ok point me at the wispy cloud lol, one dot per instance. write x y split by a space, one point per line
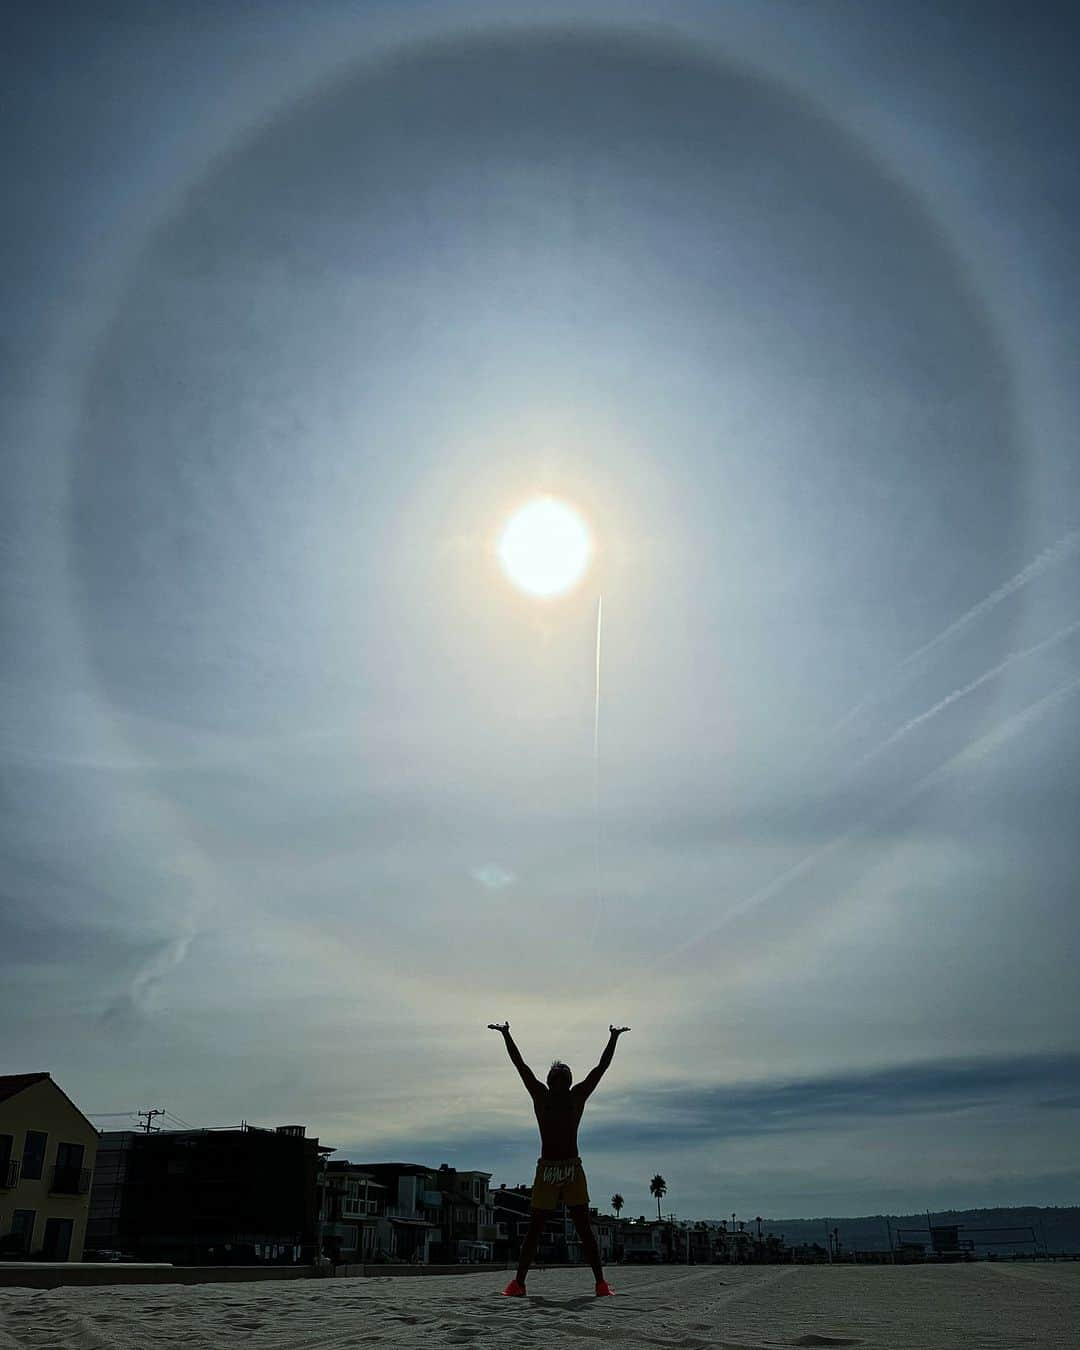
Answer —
966 689
970 754
1062 551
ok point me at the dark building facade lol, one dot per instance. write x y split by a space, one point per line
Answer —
214 1197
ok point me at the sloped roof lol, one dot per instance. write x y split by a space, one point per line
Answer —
12 1083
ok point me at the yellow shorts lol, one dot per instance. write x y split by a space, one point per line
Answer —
559 1180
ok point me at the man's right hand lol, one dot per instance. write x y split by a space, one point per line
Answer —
504 1027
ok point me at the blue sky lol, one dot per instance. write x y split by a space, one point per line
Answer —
298 791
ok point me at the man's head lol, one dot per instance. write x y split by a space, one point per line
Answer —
559 1076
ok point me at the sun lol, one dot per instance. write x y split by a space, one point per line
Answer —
545 547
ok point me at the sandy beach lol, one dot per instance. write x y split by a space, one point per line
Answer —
983 1306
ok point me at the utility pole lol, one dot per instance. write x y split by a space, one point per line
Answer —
157 1111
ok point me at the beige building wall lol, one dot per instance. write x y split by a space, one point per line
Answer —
44 1108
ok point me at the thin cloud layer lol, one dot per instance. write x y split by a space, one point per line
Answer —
292 777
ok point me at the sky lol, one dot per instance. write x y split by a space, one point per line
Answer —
299 793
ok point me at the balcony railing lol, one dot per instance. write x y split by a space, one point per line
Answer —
9 1174
358 1209
69 1180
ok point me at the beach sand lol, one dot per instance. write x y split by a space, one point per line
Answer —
986 1306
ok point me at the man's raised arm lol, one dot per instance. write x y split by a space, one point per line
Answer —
594 1075
530 1079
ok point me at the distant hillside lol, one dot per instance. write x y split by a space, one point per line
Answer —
1058 1227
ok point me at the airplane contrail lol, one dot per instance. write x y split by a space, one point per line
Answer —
596 712
1057 553
966 689
975 751
598 895
596 780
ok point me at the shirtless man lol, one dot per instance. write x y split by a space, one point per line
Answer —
559 1173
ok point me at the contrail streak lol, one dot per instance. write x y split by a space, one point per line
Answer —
596 780
967 689
596 712
975 751
598 897
1049 557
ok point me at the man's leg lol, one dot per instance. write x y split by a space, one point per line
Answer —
580 1216
537 1219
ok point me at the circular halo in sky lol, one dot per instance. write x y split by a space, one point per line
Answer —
545 547
544 220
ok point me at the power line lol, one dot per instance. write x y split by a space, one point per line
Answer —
115 1115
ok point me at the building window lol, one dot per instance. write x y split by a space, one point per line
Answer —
33 1159
22 1227
9 1170
57 1242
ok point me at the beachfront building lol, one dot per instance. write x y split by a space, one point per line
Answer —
559 1241
700 1238
47 1155
512 1205
735 1244
468 1231
350 1203
644 1241
511 1210
603 1226
240 1195
407 1226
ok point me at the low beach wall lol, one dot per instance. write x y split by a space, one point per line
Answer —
53 1274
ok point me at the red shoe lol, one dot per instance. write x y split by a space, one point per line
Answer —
514 1290
604 1290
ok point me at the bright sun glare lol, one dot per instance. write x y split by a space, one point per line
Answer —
545 547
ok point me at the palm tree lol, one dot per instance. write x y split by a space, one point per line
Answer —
617 1203
658 1187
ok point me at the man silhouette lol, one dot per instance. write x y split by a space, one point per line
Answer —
559 1173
